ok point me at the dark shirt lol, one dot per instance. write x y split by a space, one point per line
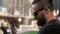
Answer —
4 30
53 27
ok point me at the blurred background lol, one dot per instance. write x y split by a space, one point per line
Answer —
17 16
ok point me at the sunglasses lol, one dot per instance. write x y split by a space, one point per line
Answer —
36 12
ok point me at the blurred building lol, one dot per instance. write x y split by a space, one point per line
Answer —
18 8
21 7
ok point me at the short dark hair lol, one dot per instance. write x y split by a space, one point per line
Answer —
48 3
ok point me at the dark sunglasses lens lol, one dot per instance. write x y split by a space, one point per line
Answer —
36 12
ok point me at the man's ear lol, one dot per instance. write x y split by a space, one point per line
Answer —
47 10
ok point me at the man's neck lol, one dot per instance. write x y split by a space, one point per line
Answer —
49 19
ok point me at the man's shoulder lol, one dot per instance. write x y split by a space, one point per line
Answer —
54 22
51 28
52 25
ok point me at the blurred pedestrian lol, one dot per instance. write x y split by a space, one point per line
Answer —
3 29
43 12
13 29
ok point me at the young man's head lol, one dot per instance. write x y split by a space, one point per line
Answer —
43 11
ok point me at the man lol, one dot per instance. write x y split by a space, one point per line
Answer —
43 12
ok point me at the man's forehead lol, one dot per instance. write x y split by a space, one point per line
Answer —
37 6
34 6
